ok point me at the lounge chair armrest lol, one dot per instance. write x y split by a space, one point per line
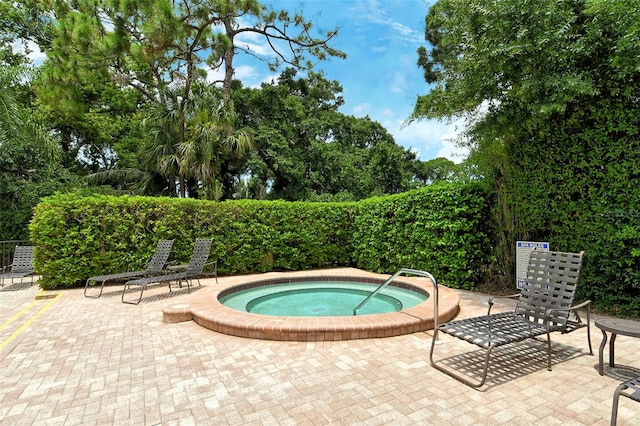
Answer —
174 265
571 308
581 305
490 301
213 263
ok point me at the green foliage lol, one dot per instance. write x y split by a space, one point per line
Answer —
579 191
79 237
97 134
551 88
194 141
306 148
524 52
21 22
280 235
162 51
438 170
435 229
28 160
441 229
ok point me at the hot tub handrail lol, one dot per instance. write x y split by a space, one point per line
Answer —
393 277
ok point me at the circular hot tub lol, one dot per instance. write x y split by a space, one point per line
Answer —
207 310
322 298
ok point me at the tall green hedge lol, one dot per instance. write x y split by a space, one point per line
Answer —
439 229
442 229
79 237
578 189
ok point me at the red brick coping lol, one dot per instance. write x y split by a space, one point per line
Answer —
205 309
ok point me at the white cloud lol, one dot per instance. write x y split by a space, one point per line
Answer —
407 33
388 114
429 138
373 11
244 72
398 83
253 42
215 74
362 109
451 150
269 79
248 75
35 55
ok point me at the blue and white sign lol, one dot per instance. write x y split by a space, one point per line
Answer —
531 245
523 251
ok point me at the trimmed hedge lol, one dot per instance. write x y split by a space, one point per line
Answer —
578 189
438 229
442 229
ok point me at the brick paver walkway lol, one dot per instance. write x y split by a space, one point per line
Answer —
79 361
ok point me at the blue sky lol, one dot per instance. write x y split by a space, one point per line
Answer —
380 78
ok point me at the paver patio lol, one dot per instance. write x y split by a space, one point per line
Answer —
71 360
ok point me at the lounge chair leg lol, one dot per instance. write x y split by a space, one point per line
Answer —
614 407
457 376
589 329
141 291
124 290
128 301
548 351
99 294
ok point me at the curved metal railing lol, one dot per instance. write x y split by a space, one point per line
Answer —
393 277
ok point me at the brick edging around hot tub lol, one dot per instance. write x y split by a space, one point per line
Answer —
205 309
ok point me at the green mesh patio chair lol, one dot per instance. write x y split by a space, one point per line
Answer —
194 270
155 266
544 305
21 266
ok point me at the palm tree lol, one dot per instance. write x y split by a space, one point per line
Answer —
189 141
17 124
28 159
211 137
159 154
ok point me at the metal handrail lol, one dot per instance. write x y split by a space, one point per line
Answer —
393 277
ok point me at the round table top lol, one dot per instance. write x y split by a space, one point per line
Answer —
625 327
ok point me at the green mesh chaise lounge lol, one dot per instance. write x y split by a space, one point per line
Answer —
194 270
21 266
545 304
155 266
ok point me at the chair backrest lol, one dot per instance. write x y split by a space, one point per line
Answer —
160 257
199 257
22 259
551 282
